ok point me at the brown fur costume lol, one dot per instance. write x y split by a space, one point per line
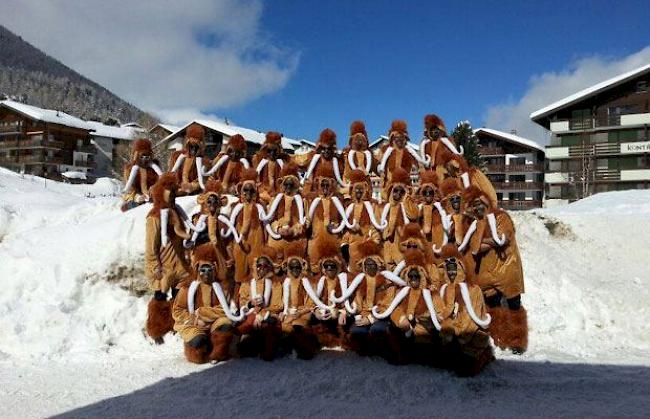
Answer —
185 165
287 213
363 207
228 165
268 162
394 157
137 187
398 214
247 219
432 213
313 161
197 311
357 152
456 167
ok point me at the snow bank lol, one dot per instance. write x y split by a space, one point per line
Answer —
72 275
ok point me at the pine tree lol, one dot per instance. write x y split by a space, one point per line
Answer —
464 136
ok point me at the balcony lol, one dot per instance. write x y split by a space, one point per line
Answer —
491 151
520 205
27 144
31 159
518 186
11 127
514 168
584 124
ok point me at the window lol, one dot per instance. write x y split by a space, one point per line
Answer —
642 86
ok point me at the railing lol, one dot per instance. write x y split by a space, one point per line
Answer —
595 149
590 123
31 160
33 143
491 151
607 174
509 168
11 128
523 186
520 204
86 148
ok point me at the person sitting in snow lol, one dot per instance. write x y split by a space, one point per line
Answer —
462 315
268 162
140 175
262 294
229 165
369 289
202 311
164 254
493 257
188 164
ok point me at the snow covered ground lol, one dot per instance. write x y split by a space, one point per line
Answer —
72 311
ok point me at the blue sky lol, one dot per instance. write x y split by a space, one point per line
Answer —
378 60
300 66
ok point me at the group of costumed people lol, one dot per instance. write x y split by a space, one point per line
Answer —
292 253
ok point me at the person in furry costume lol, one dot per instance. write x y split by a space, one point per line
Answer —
432 216
411 311
357 155
397 154
325 155
326 316
493 256
326 215
188 164
210 226
229 165
413 238
396 213
268 162
202 313
286 214
455 167
463 316
164 254
436 143
140 175
247 218
369 289
362 214
263 295
451 193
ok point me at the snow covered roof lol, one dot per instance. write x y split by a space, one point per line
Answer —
45 115
590 91
119 133
512 138
230 130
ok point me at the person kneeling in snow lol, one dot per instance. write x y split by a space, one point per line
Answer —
140 175
164 254
262 294
202 311
463 316
493 257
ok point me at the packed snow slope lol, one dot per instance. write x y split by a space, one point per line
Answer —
73 304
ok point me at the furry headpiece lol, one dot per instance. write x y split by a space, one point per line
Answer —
369 249
432 121
358 176
271 253
289 169
205 253
358 128
212 187
397 127
450 251
414 258
324 171
296 250
428 178
472 193
237 142
140 147
273 137
195 134
327 248
449 187
166 182
248 175
327 138
400 176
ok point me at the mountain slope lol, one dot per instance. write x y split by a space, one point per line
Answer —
33 77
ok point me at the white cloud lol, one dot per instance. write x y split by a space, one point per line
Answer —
546 88
154 54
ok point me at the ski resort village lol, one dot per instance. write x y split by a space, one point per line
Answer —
304 210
